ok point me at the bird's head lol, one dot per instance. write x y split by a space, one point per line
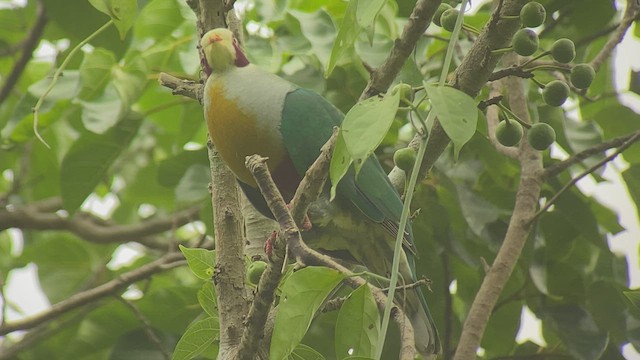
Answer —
222 51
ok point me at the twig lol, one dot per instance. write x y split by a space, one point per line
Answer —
42 216
588 171
28 46
419 20
493 118
307 192
112 287
188 88
146 326
511 71
629 16
557 168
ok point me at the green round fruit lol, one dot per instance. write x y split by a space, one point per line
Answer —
255 270
448 19
582 75
405 90
532 14
563 51
404 159
509 133
441 9
555 93
541 136
525 42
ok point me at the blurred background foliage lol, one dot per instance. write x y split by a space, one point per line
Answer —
125 150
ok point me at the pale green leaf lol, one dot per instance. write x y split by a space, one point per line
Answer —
366 14
200 261
122 12
207 299
340 162
456 111
358 325
347 35
196 339
302 295
366 125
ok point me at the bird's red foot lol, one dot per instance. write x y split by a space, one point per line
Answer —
268 244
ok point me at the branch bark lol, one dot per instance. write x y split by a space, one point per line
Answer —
42 215
110 288
516 237
28 46
630 13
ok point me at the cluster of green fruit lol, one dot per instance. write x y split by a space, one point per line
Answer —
525 43
540 135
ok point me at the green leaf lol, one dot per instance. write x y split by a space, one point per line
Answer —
122 12
366 124
172 169
89 158
634 298
302 295
95 72
457 113
201 261
193 186
130 81
578 331
358 325
304 352
196 339
318 28
347 35
366 12
158 19
340 162
207 299
631 178
103 112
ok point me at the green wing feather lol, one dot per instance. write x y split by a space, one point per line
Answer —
307 123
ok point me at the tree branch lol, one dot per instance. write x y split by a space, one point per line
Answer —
382 77
556 169
42 215
28 46
184 87
628 18
112 287
517 233
635 137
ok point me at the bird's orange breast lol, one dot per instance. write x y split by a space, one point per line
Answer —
236 135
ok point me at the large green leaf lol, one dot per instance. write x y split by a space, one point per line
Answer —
89 158
578 331
196 339
318 28
358 324
347 35
302 295
456 111
201 261
366 124
122 12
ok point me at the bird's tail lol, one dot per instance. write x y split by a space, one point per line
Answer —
427 340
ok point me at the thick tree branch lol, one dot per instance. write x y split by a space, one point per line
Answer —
43 216
113 287
419 20
516 236
28 46
628 18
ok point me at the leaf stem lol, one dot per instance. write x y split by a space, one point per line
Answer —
57 74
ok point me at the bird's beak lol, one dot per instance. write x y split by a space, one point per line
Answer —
215 38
